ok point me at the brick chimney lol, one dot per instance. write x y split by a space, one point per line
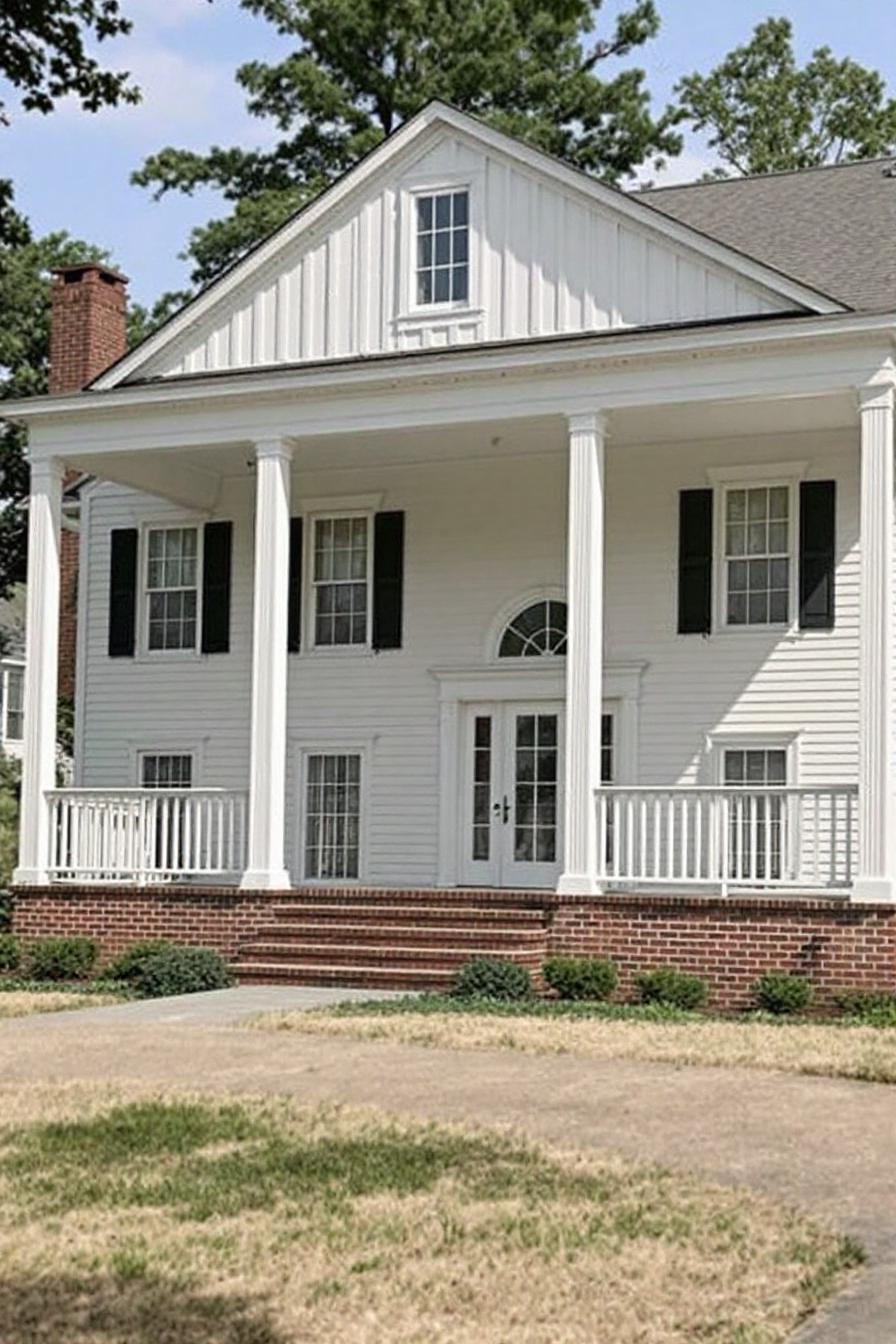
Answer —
87 333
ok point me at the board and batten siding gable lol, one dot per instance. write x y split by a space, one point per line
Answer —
546 259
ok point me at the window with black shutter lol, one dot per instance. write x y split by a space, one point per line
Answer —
694 562
818 509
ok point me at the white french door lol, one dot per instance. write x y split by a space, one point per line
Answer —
512 794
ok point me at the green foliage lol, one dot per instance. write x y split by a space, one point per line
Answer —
357 69
128 966
550 1009
44 53
10 781
492 978
872 1007
61 958
581 977
669 986
781 993
764 113
180 970
10 952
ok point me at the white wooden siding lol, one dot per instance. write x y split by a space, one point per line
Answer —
549 260
478 534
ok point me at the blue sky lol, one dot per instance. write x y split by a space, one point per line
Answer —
71 169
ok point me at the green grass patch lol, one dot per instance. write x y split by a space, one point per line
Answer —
10 984
441 1004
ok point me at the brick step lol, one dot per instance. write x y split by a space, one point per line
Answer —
343 977
408 935
408 913
447 959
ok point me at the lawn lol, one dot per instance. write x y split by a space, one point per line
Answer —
608 1032
181 1220
26 1002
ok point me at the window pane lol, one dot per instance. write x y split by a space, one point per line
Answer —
460 207
424 212
424 287
443 212
332 816
443 248
459 284
441 289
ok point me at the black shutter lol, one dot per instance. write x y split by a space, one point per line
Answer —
388 579
217 544
122 592
294 628
817 532
694 562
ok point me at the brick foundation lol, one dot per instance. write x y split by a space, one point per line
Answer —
728 942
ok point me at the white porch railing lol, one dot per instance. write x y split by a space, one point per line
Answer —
770 838
146 835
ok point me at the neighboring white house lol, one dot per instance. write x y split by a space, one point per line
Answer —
487 526
12 689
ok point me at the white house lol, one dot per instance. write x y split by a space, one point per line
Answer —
488 527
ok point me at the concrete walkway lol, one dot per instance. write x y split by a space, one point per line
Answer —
220 1007
827 1145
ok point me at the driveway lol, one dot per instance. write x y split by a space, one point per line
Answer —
828 1145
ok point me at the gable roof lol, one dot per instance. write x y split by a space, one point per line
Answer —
832 227
412 136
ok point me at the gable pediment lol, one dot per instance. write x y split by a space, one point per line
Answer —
551 252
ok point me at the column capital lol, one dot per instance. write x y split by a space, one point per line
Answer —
587 422
46 471
274 446
876 396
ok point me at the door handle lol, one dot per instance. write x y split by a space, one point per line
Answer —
502 809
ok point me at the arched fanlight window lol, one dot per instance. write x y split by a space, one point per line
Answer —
536 630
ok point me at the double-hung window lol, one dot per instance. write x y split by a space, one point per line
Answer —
758 559
341 573
172 588
333 815
12 722
443 247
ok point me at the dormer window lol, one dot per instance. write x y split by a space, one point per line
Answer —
443 247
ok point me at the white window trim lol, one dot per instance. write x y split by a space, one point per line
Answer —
309 623
144 652
768 475
8 666
787 741
169 745
410 312
330 746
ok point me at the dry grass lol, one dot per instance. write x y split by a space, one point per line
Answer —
867 1053
23 1002
129 1219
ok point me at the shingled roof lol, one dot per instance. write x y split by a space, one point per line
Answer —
833 228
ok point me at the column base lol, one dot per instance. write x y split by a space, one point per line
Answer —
579 884
874 891
30 877
264 879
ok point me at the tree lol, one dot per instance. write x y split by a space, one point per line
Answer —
764 113
44 57
25 266
360 68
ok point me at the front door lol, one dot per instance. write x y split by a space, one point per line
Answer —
513 795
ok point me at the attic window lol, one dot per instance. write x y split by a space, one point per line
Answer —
443 247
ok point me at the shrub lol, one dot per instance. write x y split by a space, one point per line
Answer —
581 977
61 958
875 1007
492 978
781 993
10 952
5 910
674 988
127 966
180 970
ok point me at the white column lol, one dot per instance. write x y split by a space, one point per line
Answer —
584 652
266 868
876 880
41 670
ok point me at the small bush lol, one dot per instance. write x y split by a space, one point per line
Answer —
180 970
874 1007
61 958
10 952
5 910
781 993
492 978
127 966
674 988
581 977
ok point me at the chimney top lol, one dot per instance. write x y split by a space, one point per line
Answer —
88 323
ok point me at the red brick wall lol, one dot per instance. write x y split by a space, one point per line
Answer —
87 333
730 941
